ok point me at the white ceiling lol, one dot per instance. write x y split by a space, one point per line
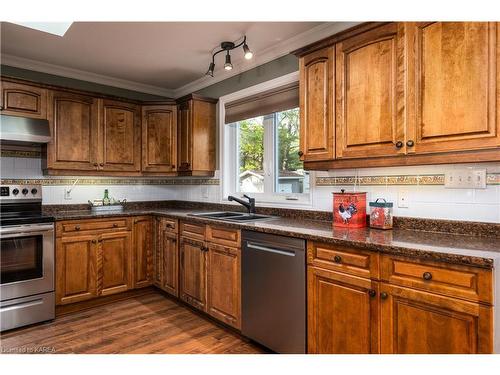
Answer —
163 55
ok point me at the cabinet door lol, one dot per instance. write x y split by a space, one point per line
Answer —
370 93
120 137
224 284
76 269
193 273
414 322
342 313
114 256
23 100
185 134
74 128
170 251
159 139
454 72
142 267
158 254
317 110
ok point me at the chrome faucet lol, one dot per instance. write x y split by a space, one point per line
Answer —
250 205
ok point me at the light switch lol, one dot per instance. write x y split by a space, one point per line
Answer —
465 178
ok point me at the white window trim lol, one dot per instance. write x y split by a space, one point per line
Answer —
227 154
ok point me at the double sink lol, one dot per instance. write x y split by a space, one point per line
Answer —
233 216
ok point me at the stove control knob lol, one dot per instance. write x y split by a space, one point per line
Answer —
24 191
34 191
15 191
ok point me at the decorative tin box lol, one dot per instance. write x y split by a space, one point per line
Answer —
349 209
381 214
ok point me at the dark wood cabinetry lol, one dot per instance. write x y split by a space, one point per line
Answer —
196 136
167 256
114 260
23 100
142 252
193 272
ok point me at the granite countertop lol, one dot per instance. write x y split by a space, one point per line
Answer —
446 247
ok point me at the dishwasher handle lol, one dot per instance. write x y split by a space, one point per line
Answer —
254 246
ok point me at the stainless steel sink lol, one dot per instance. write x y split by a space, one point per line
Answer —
232 216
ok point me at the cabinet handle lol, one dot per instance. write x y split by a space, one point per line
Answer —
337 259
383 295
372 293
399 144
77 227
300 153
410 143
427 276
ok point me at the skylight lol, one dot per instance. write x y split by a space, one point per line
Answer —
55 28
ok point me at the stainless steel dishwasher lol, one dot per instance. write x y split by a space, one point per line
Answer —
274 291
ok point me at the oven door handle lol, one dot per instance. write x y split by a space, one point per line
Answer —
23 230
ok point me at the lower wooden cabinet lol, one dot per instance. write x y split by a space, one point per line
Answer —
223 287
169 263
115 249
343 313
142 252
417 322
76 268
193 272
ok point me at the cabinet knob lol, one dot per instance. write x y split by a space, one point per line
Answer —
337 259
115 225
372 293
77 227
399 144
173 166
410 143
427 276
300 153
94 241
96 165
384 295
101 164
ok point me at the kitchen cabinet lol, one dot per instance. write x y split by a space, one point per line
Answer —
114 260
370 93
74 127
23 100
224 284
119 145
196 136
317 105
168 259
454 72
76 268
193 275
159 139
416 322
142 252
343 313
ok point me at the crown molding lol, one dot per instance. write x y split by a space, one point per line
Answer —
58 70
278 50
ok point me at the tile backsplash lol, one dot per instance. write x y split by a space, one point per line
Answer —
423 186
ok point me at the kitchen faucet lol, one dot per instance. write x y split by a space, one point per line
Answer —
250 205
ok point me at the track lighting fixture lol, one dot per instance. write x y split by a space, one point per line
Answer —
229 46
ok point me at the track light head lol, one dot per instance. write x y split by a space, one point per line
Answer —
248 53
228 65
210 71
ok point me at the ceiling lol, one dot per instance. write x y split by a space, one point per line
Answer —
166 55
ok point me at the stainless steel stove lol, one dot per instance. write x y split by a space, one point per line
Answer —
26 258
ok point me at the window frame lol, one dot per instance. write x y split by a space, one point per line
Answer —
228 155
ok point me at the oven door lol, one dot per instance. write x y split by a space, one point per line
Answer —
26 260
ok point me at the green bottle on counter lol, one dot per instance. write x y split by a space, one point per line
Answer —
105 200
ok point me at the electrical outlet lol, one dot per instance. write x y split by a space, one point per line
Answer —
403 200
465 178
67 194
204 192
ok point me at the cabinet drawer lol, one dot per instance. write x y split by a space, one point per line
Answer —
223 236
192 230
469 283
343 259
75 227
168 225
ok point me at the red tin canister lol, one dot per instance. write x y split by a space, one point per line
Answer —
349 209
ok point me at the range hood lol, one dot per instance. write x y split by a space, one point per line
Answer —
15 129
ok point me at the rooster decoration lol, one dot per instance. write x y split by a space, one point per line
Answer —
347 212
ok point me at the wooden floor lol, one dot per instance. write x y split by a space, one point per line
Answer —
150 323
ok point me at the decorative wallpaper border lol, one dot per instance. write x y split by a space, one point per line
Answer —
111 181
21 154
435 179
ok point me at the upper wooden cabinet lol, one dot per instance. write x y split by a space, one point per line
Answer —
119 136
406 94
23 100
159 139
196 136
74 127
370 93
454 72
317 131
